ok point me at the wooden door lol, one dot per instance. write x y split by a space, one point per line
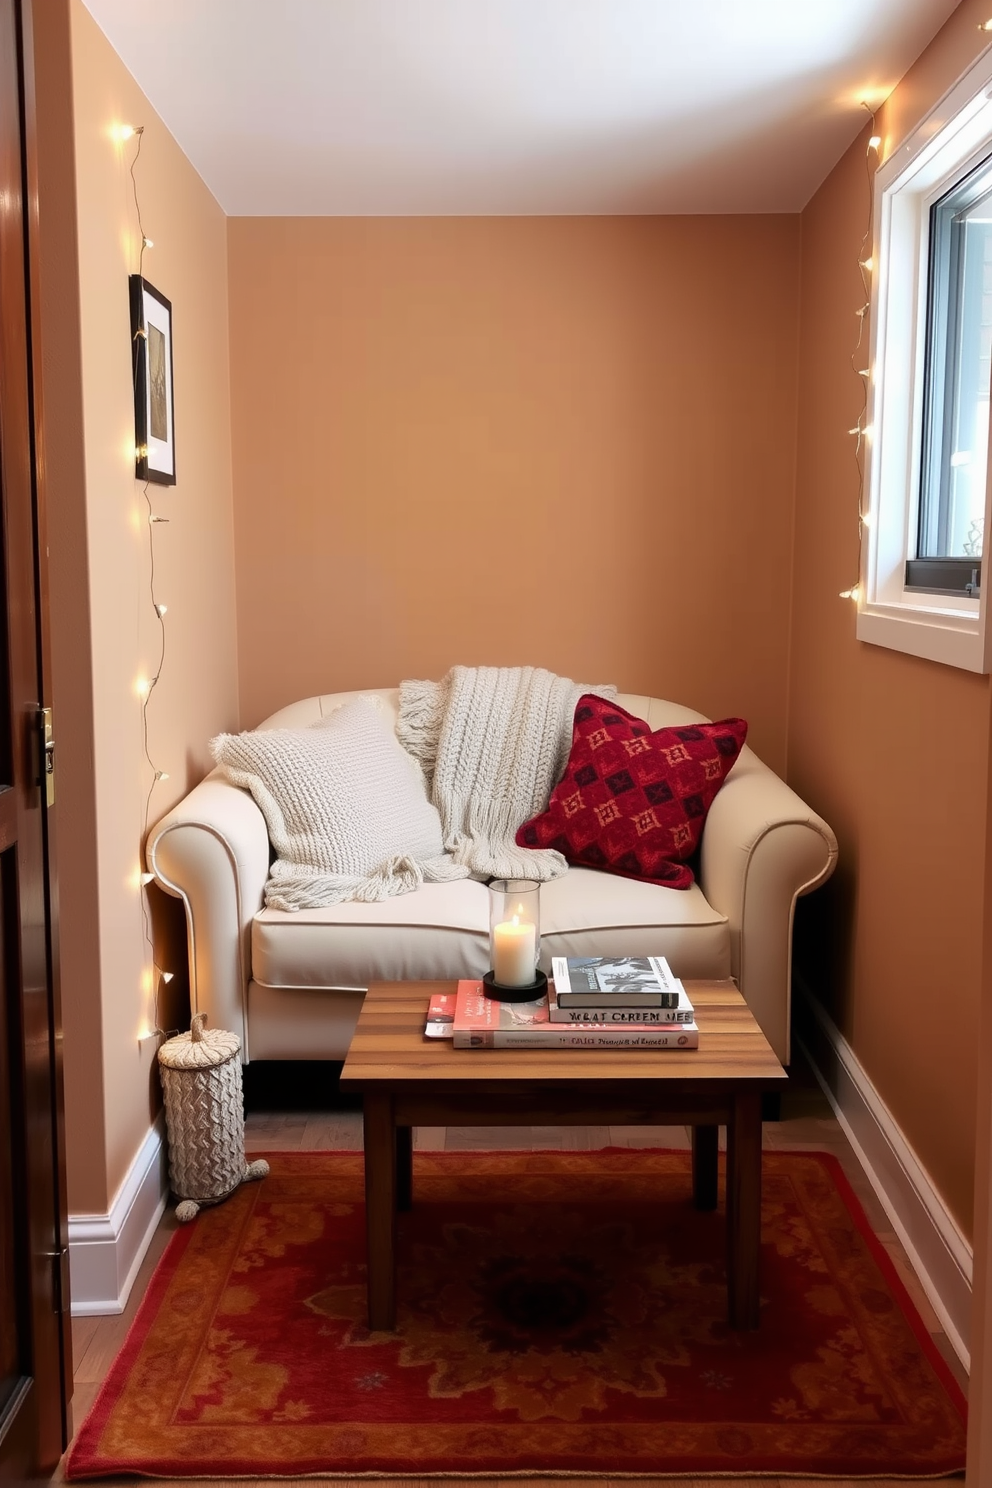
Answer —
35 1358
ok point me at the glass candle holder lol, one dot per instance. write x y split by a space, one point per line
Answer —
514 934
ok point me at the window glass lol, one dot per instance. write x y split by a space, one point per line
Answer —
959 359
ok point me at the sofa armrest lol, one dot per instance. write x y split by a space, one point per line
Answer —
212 850
762 847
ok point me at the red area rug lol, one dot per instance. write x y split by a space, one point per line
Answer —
559 1313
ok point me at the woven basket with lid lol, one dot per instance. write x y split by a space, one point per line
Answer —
204 1115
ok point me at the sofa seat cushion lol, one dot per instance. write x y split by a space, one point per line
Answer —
442 930
589 913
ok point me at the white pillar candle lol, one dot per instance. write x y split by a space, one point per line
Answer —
514 953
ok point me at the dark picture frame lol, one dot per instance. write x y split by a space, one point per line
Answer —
154 404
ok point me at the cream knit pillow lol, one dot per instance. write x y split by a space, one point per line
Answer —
346 812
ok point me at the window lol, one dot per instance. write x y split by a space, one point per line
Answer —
956 389
928 475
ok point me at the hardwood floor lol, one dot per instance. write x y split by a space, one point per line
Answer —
806 1122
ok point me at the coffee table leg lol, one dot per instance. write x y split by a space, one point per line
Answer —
404 1167
744 1208
380 1208
705 1144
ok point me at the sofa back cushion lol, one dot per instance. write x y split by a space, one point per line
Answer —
442 931
656 712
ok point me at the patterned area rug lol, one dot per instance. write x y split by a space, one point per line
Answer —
558 1313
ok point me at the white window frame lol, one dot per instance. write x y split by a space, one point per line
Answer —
949 141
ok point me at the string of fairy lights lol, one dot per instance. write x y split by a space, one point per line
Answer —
861 431
145 685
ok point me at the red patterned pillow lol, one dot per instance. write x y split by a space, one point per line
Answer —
631 801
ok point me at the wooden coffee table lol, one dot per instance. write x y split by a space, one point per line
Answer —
407 1081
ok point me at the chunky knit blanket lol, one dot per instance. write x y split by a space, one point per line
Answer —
492 742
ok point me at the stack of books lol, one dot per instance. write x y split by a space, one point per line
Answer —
593 1002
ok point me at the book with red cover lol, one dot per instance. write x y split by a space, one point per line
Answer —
483 1023
440 1015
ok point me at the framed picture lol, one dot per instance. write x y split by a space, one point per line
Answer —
151 348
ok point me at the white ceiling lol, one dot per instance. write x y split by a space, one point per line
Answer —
424 107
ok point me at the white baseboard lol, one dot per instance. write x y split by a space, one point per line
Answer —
939 1253
105 1250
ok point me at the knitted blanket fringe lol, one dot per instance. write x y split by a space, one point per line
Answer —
421 716
401 874
492 742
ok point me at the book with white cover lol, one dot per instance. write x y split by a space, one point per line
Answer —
628 981
611 1014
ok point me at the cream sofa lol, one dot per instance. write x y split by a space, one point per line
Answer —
291 985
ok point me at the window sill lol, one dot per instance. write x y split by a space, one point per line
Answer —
952 636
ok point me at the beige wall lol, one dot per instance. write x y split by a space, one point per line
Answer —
892 750
566 441
102 552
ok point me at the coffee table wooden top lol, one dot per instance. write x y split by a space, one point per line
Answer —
389 1045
